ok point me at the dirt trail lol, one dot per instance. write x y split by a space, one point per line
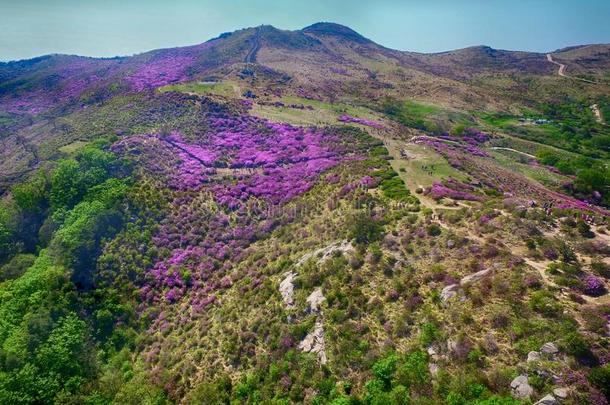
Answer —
513 150
562 67
562 70
251 56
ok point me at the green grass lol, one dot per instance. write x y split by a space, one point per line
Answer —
511 160
423 116
501 121
414 175
73 147
323 113
420 110
219 88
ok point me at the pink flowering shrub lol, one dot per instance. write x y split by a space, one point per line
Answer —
243 166
160 72
454 189
594 286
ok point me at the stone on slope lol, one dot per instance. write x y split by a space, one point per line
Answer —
521 388
472 278
547 400
549 348
533 356
449 292
560 393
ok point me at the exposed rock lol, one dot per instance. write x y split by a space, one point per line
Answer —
560 393
314 342
547 400
315 299
450 243
287 289
549 348
433 368
449 292
324 254
521 388
533 356
472 278
453 345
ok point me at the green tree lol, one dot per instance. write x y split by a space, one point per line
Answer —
32 196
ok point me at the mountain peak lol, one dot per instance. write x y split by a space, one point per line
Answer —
334 29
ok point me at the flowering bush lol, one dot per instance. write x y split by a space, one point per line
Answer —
227 182
452 189
593 286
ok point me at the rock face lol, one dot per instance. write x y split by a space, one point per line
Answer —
315 299
521 388
547 400
533 356
287 289
472 278
314 342
449 292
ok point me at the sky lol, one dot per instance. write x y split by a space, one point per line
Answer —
30 28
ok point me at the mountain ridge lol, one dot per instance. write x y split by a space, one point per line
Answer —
327 28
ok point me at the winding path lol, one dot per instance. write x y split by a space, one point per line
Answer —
251 56
562 70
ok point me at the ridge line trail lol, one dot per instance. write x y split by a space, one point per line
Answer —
562 70
513 150
251 56
562 67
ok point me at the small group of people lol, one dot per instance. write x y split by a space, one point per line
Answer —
429 169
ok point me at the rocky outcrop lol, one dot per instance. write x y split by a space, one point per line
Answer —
314 342
326 253
315 299
287 289
472 278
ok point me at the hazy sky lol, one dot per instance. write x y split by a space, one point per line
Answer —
121 27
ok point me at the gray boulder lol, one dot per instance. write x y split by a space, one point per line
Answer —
533 356
547 400
561 393
549 348
449 292
474 277
521 388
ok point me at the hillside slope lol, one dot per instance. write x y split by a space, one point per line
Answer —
305 217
